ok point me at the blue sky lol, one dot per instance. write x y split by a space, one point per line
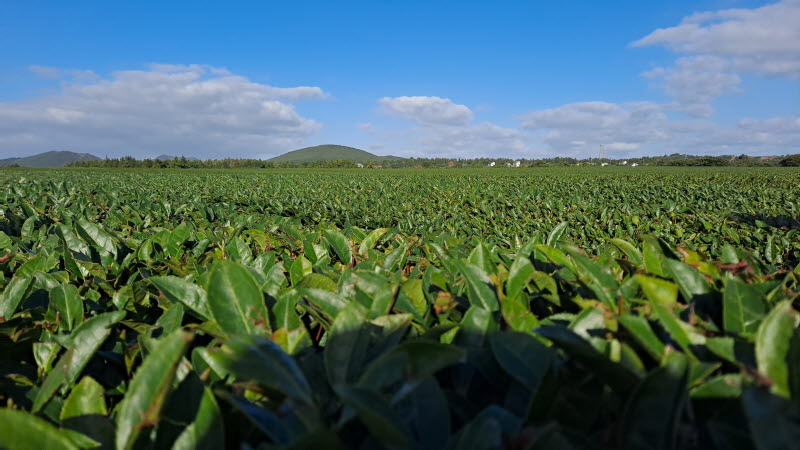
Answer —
412 78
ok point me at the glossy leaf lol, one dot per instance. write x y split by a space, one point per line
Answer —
67 301
743 307
772 346
12 296
235 300
150 385
371 239
22 430
340 245
480 289
658 291
182 291
81 345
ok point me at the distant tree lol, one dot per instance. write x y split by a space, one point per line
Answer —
791 161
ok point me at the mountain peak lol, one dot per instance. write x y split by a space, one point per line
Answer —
56 158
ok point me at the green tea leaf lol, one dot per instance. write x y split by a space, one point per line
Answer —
330 303
94 235
633 253
12 296
340 245
743 307
557 233
413 361
261 360
372 238
480 289
519 274
615 375
772 346
85 412
640 328
86 398
653 412
346 346
81 345
235 300
178 290
22 430
150 385
522 356
690 281
653 256
658 291
317 281
299 269
195 416
68 303
376 414
773 420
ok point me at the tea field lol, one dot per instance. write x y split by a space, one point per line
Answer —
574 308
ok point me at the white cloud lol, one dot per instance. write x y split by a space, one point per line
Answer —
764 40
446 131
715 51
427 110
193 110
578 128
721 44
631 129
471 141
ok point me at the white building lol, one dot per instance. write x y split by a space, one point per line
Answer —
491 164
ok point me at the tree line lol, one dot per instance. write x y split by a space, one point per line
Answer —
675 159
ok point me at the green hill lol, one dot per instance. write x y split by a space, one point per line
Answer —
329 153
49 159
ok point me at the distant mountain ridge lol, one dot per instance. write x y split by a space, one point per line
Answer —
49 159
329 153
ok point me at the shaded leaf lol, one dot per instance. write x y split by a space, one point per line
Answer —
141 406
